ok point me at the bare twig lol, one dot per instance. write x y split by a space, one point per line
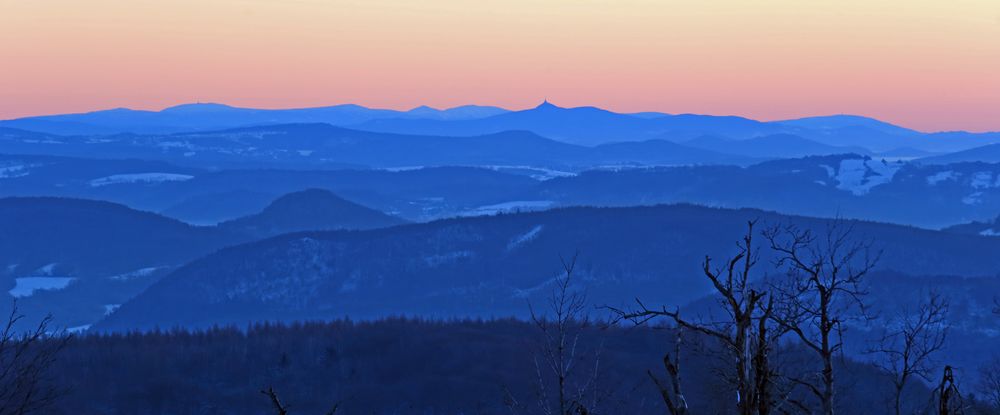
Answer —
25 359
825 287
906 350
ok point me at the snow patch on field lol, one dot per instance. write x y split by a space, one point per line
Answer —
859 176
139 273
982 180
78 329
14 170
175 144
973 199
403 168
140 178
447 258
110 308
26 286
939 177
510 207
46 270
524 238
830 172
537 173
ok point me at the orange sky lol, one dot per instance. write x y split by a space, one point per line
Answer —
930 65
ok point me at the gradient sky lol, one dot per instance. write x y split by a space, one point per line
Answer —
930 65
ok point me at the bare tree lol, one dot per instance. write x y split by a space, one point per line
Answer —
281 409
989 383
949 398
672 396
823 291
906 350
25 359
744 331
559 355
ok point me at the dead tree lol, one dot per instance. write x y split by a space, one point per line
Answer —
744 331
989 383
824 290
949 399
281 409
906 350
559 356
25 360
672 396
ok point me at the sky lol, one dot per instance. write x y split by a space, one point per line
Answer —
929 65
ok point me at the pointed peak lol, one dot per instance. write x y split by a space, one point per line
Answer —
546 105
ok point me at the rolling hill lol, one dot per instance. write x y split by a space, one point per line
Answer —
309 210
771 146
79 259
984 154
324 146
492 266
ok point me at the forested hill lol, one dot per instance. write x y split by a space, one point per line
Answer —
491 266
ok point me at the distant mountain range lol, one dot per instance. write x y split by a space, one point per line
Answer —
772 146
493 266
583 125
854 186
323 146
587 126
198 117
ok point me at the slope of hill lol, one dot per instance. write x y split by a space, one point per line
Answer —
852 186
78 259
985 228
208 197
309 210
986 154
920 194
213 207
833 122
93 238
771 146
489 266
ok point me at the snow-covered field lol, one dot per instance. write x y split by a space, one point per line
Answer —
139 273
26 286
140 178
14 170
860 176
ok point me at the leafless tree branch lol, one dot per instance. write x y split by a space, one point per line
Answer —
823 290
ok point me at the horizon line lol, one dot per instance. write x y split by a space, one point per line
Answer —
544 102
